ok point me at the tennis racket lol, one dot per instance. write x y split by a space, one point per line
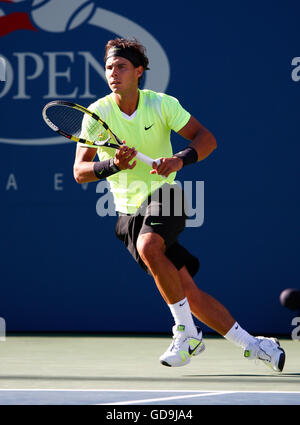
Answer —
83 126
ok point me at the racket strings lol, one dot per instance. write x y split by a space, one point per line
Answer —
77 123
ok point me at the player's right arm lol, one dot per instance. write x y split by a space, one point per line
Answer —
83 169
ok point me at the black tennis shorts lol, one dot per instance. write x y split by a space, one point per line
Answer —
162 213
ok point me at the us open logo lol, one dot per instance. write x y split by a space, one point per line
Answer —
45 65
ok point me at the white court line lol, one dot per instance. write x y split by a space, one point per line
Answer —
150 400
102 390
147 391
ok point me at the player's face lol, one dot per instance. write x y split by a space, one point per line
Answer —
121 75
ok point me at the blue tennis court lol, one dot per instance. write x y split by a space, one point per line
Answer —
146 397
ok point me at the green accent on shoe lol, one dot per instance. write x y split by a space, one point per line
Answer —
247 353
181 328
184 355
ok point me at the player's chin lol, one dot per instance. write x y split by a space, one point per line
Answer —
115 88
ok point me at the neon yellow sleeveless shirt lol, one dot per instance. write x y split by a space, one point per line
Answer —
149 132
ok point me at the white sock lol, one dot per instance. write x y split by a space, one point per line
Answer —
182 315
239 336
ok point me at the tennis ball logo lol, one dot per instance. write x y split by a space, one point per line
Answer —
61 16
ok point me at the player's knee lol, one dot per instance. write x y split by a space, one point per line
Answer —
150 247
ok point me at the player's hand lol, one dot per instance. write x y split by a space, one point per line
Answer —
167 166
123 157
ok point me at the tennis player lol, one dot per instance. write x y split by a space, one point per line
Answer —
151 208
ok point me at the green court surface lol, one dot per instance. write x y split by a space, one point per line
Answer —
112 363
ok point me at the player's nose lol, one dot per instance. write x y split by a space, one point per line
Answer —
114 71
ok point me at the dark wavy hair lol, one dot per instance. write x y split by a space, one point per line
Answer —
134 45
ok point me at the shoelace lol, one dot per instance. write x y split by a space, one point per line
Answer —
262 355
177 340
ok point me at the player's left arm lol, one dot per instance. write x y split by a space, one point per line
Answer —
202 140
203 143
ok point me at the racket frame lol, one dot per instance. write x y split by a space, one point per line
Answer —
144 158
80 108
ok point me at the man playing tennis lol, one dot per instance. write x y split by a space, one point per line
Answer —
144 119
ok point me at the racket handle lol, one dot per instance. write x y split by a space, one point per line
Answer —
146 159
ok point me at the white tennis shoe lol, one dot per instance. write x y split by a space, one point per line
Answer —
182 348
268 350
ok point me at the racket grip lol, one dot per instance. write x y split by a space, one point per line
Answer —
146 159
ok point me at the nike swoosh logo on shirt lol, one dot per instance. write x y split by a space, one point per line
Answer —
147 128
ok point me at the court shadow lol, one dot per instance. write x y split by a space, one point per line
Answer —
284 378
269 375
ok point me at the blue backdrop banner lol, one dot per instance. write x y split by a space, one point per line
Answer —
235 66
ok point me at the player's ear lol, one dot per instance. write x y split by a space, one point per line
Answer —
140 71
